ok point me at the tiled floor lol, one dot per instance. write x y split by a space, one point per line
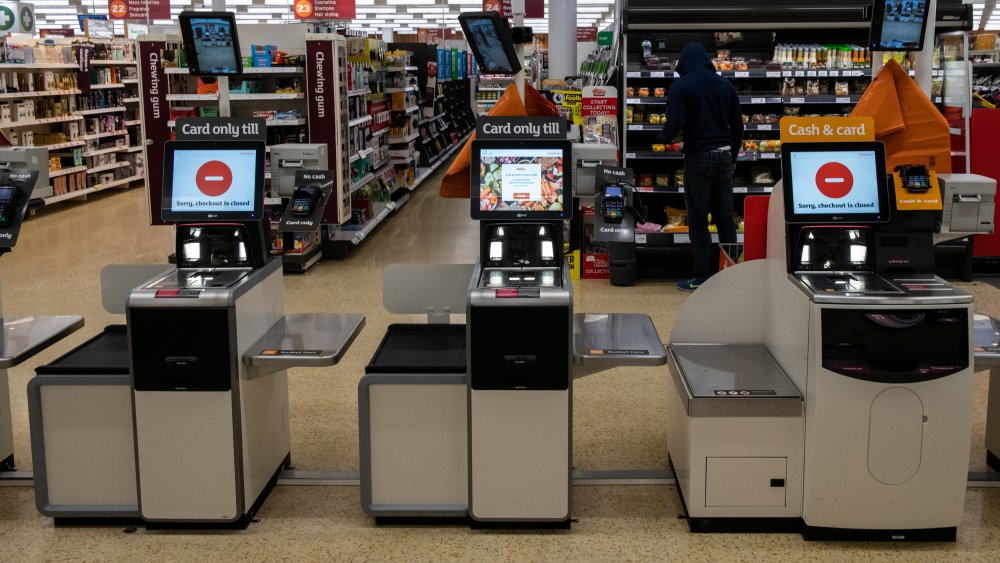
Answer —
619 417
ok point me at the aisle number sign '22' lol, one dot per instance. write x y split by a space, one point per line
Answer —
139 9
324 9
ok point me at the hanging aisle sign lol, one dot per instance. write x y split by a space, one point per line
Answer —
324 9
139 9
532 8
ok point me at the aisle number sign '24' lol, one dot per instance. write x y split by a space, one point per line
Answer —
324 9
827 129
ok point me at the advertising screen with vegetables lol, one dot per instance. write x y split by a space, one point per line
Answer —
528 180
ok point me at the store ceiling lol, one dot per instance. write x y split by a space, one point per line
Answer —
373 15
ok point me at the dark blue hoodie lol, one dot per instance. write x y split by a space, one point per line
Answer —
702 105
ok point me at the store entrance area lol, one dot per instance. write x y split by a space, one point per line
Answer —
619 416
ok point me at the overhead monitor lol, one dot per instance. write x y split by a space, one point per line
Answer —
211 45
835 183
522 180
206 181
491 41
898 25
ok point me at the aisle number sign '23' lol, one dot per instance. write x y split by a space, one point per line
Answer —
324 9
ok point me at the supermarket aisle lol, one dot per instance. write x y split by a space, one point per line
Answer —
619 419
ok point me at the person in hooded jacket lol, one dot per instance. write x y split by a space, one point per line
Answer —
705 107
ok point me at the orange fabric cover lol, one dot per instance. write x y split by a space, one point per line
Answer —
912 128
456 181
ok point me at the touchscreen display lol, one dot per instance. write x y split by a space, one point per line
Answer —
213 44
6 193
490 48
902 25
835 182
214 180
521 180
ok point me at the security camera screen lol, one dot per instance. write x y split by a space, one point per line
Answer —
213 181
521 180
903 24
213 43
493 57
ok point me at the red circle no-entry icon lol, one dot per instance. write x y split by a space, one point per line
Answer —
834 180
214 178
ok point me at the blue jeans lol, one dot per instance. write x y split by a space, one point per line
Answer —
708 188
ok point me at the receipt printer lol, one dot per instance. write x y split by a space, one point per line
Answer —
968 203
287 158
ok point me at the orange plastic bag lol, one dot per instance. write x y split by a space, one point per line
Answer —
456 182
912 128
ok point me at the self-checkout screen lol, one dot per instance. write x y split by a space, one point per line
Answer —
529 180
835 182
215 180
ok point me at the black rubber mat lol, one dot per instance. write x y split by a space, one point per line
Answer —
106 353
420 348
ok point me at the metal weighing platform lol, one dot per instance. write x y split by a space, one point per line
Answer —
733 380
23 337
305 340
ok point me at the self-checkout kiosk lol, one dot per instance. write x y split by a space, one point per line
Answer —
473 423
828 388
22 337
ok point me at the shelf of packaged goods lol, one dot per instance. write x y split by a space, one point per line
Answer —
765 73
358 92
401 140
299 261
402 161
103 151
376 167
36 94
676 190
65 171
117 183
192 97
672 239
37 66
359 121
400 90
272 201
361 154
823 99
120 182
644 127
246 70
762 127
68 195
102 135
131 122
407 110
106 167
109 62
43 121
984 51
264 96
431 119
284 122
983 65
492 88
758 156
380 132
106 86
57 146
362 182
99 110
647 100
133 148
400 69
131 100
130 80
356 236
654 155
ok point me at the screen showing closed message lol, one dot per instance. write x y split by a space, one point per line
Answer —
214 180
521 180
834 182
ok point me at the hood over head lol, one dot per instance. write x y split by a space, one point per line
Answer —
694 57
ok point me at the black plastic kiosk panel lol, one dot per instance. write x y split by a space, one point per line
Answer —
522 180
491 41
211 45
835 183
213 180
898 25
